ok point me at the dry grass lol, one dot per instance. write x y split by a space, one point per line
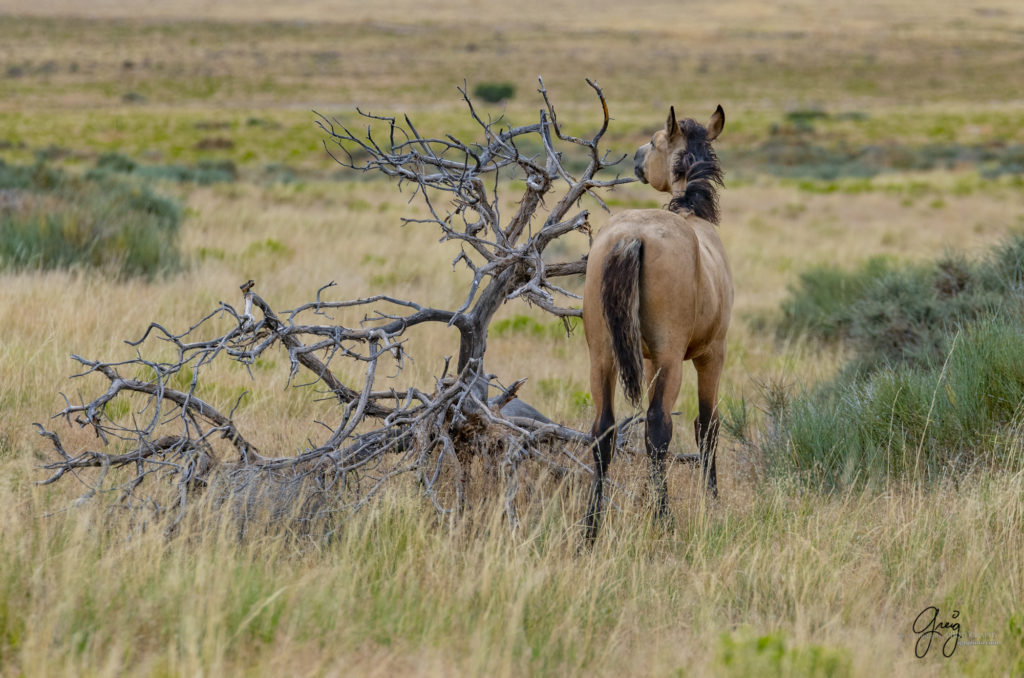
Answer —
842 574
322 53
835 583
773 580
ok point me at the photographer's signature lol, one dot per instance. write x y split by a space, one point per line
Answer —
927 627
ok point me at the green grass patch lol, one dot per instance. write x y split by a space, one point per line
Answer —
525 325
743 653
270 246
51 219
908 421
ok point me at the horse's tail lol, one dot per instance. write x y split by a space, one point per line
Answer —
620 299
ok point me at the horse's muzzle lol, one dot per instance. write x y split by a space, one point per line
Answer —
638 163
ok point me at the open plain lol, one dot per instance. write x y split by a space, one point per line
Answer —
853 131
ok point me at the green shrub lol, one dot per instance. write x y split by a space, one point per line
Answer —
890 313
935 382
115 162
493 92
805 117
54 220
908 421
820 302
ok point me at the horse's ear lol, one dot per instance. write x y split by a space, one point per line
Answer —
716 124
671 126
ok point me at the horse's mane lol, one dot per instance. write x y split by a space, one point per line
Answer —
698 167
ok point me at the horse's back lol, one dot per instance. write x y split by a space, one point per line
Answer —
685 286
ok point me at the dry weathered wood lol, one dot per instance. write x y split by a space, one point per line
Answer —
378 433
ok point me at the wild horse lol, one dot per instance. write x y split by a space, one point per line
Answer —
659 292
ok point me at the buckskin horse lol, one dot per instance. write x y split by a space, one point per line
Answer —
659 292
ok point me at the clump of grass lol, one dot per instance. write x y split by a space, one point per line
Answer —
49 219
935 384
909 421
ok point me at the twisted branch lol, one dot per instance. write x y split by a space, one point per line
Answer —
377 433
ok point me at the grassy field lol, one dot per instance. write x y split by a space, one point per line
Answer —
854 130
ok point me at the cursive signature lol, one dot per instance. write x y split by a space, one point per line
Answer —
927 626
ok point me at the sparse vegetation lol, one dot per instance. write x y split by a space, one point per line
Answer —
204 172
795 151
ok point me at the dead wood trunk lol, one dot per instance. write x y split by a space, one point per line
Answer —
377 434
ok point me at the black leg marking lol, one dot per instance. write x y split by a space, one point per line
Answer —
604 432
659 433
705 428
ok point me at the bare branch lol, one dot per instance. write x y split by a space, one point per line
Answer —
153 425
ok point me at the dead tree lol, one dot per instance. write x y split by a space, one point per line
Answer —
378 433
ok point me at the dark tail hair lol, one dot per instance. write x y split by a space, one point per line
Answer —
620 299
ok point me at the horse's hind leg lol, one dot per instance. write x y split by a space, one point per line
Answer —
705 426
602 387
664 378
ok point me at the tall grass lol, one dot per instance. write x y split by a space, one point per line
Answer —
773 580
772 583
910 421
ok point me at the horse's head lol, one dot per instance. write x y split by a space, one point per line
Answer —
662 161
